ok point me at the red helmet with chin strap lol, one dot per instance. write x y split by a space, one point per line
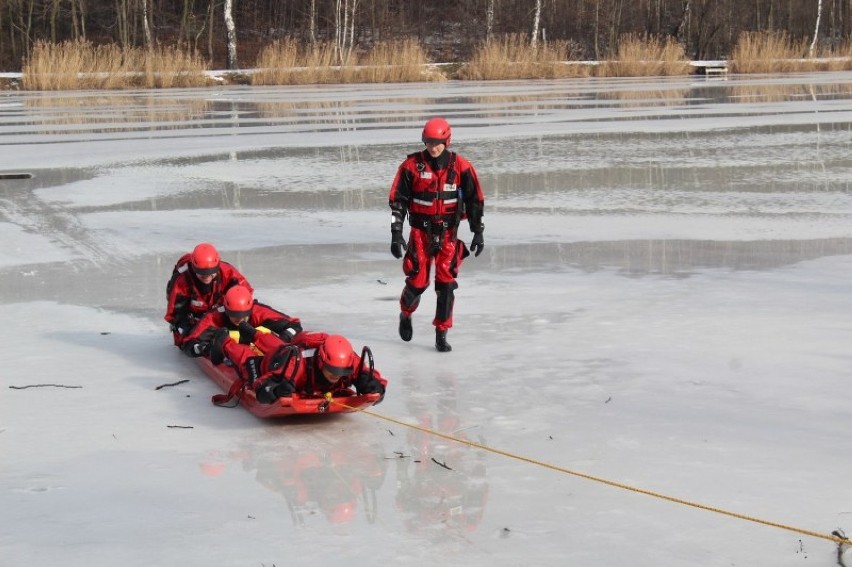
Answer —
437 131
336 355
238 302
205 259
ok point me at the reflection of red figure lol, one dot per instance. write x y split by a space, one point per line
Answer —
434 498
213 469
331 480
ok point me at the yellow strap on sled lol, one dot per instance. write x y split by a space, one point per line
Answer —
235 335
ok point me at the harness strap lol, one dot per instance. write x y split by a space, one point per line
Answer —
425 222
236 390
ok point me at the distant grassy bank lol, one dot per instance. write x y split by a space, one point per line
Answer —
82 65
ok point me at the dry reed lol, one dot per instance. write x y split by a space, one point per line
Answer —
287 63
776 52
514 57
74 65
638 56
766 52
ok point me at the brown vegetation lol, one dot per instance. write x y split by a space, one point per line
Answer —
83 65
73 65
513 57
646 57
448 30
288 63
762 52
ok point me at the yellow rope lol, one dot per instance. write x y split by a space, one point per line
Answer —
830 537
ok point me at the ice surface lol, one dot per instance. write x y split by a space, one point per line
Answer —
662 302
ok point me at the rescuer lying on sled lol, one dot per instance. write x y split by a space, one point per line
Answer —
328 364
252 336
198 284
274 357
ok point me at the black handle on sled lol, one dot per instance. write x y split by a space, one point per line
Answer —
366 355
293 352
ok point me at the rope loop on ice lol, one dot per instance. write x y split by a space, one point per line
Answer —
836 536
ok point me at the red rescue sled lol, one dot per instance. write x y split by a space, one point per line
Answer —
226 377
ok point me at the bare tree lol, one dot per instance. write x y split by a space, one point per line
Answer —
312 23
231 34
211 21
121 22
682 31
489 20
145 25
536 24
54 11
344 28
816 29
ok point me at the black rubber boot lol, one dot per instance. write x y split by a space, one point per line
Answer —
441 343
405 330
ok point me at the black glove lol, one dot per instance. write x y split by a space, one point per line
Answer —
284 329
368 384
284 389
216 348
196 348
477 244
183 325
288 333
247 333
273 388
398 245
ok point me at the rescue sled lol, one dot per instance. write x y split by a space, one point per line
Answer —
226 378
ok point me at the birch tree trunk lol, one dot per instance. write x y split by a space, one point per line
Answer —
232 34
145 25
344 28
312 23
210 30
816 29
489 20
682 33
536 24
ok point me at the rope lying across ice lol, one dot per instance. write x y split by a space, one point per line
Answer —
837 536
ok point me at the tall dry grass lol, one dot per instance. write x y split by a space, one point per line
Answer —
777 52
513 57
839 58
394 62
82 65
166 67
639 56
78 65
289 62
767 52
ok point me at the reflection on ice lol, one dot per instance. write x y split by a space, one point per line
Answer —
442 485
335 481
679 258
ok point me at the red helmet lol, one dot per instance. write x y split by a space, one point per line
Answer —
336 355
238 302
205 259
437 131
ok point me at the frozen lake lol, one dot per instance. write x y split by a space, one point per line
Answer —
662 303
